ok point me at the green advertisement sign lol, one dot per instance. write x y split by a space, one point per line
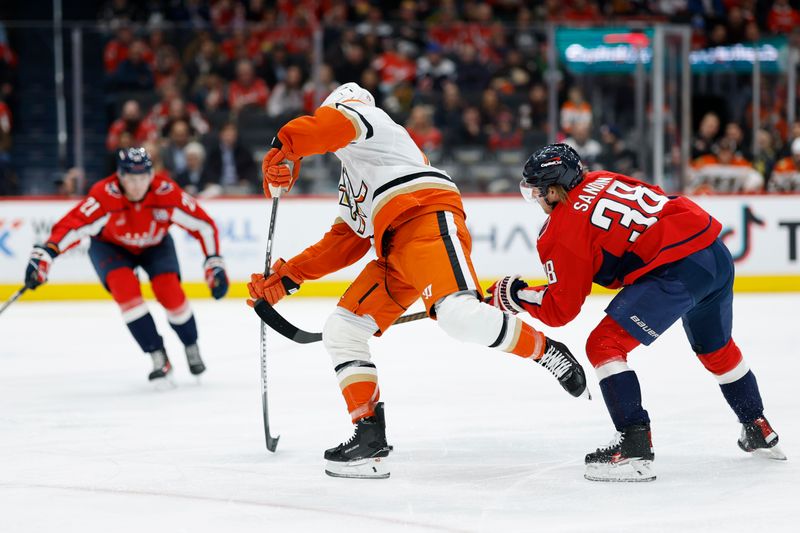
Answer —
618 50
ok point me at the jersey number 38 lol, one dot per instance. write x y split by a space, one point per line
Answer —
636 206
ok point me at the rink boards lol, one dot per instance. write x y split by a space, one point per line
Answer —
761 231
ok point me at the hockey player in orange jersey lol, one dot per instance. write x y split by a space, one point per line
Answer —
389 193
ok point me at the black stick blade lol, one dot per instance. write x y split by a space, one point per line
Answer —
273 319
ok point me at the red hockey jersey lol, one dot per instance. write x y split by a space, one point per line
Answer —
108 215
612 230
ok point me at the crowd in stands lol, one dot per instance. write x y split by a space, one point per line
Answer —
205 83
8 67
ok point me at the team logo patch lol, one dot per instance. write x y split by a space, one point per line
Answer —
113 190
160 215
353 201
427 292
164 188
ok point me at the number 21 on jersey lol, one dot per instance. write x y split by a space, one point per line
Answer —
641 203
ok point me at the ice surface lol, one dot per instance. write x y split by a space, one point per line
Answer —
483 441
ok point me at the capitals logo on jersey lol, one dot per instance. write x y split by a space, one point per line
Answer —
353 201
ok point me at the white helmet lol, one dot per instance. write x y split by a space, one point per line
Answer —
350 91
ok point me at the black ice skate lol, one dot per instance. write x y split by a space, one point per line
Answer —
364 454
760 439
628 457
161 365
196 365
560 362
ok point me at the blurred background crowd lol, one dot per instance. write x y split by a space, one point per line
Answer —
205 84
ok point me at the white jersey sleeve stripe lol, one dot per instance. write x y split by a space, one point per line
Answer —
206 230
75 235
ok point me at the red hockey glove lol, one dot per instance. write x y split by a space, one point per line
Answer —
216 278
39 264
504 294
283 280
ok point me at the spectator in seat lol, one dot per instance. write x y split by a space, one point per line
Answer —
735 134
133 74
395 65
615 155
372 82
315 92
8 181
786 173
707 132
767 156
533 113
116 51
581 141
507 135
193 178
173 107
421 129
130 121
354 64
173 154
471 132
782 17
447 116
724 171
576 111
472 73
247 89
69 184
230 166
286 99
434 69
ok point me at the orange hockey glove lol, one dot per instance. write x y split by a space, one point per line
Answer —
283 280
280 177
276 172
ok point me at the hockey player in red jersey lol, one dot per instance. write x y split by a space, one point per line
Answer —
389 192
127 216
665 254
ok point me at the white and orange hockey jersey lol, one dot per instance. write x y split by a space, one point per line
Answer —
385 178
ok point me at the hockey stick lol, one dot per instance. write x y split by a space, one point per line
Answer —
272 442
275 320
13 298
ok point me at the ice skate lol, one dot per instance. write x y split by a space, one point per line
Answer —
162 368
628 457
364 454
196 365
560 362
760 439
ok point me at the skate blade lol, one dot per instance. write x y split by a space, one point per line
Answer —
586 394
375 468
628 471
166 383
775 453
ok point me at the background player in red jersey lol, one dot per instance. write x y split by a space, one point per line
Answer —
665 253
128 215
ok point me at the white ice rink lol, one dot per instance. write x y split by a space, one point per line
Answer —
483 441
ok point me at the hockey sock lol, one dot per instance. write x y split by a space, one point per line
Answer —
124 288
144 331
168 291
744 398
359 383
523 339
623 398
